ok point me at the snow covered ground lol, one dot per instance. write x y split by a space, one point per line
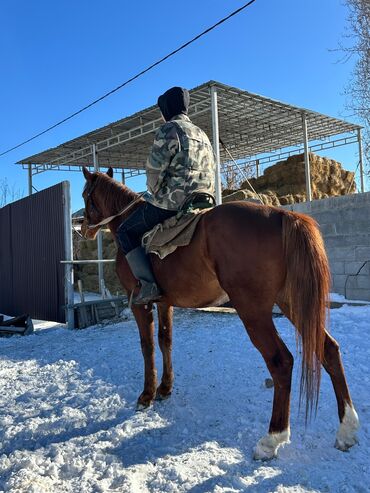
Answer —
68 421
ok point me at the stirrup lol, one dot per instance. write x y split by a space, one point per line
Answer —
149 292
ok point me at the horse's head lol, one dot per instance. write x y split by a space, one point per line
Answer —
93 207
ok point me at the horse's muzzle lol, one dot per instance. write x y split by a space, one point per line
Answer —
88 233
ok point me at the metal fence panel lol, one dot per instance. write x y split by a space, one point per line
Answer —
32 243
6 284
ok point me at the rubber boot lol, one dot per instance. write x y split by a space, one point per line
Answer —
141 267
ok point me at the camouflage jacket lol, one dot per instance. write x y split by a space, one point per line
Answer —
181 162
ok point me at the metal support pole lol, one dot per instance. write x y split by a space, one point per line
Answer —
306 159
30 179
123 177
68 247
99 237
361 159
95 158
216 144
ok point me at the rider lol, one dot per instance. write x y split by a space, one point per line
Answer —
180 163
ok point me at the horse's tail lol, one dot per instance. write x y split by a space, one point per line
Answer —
306 294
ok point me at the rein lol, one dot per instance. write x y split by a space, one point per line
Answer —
110 218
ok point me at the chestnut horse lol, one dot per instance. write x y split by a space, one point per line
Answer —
256 256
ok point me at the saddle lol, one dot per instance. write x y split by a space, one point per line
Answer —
198 200
178 230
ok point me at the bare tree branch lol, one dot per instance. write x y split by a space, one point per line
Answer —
8 193
358 88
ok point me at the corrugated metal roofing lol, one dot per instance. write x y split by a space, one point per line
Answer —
249 125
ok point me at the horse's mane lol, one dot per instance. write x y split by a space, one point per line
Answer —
115 195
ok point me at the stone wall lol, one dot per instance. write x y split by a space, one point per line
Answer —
345 225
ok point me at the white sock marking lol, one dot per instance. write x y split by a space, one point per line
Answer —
346 435
268 445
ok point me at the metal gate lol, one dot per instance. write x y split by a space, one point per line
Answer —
35 235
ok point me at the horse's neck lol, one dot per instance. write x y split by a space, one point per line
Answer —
115 200
125 197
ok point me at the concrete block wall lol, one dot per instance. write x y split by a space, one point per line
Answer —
345 224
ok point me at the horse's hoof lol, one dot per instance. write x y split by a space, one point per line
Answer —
162 397
346 435
264 450
345 446
263 455
267 446
142 405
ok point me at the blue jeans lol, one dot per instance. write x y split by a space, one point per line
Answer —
143 219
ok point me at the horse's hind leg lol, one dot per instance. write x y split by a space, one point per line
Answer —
279 361
332 362
349 422
165 316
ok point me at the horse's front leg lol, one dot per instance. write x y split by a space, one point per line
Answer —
144 319
165 316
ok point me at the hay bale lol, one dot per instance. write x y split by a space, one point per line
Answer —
286 199
88 274
238 195
286 180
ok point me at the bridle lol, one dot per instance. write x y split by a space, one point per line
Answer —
107 220
93 207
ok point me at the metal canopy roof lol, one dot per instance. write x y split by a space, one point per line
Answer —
251 126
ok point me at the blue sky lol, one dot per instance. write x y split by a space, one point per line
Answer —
59 56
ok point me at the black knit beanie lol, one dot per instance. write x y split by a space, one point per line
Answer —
174 102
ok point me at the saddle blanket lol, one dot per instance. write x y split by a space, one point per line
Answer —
174 232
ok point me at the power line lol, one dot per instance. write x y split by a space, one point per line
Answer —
131 79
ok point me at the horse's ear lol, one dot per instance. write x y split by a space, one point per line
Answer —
86 173
110 172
